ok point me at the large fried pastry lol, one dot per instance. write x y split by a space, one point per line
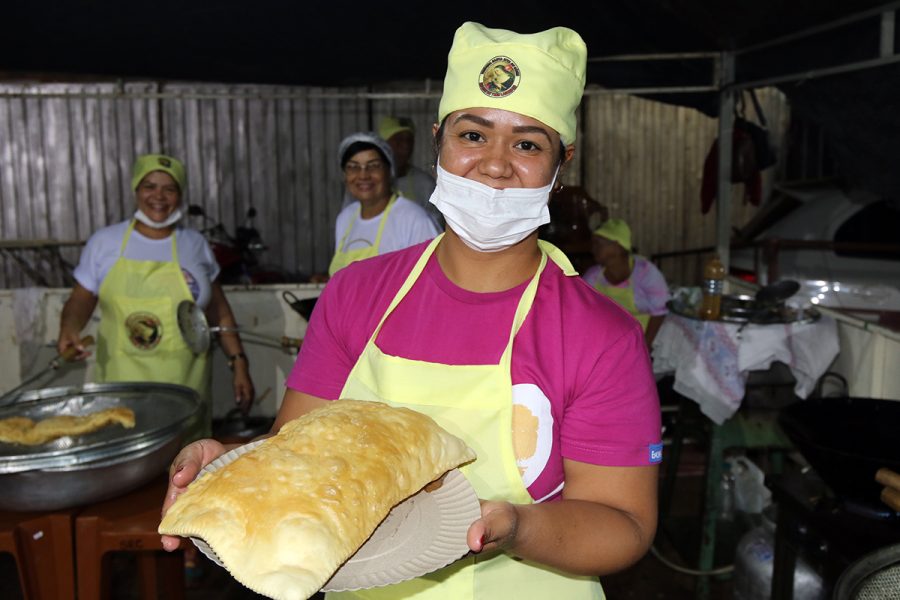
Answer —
285 515
22 430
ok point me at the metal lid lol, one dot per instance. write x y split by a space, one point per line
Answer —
161 411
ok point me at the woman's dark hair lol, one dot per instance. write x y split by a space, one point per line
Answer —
439 139
357 147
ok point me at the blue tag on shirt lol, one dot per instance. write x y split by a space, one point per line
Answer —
656 453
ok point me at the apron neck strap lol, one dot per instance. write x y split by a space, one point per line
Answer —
381 223
558 257
127 235
524 306
407 285
547 251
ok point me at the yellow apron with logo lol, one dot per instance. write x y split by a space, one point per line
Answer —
139 339
473 402
343 257
624 297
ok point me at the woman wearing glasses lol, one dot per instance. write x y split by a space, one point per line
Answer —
379 220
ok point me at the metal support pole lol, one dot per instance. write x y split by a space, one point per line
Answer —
712 501
723 189
886 47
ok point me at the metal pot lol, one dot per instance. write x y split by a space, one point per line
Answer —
71 471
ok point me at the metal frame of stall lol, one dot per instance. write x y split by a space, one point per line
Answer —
732 432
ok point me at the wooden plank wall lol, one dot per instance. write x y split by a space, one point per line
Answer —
66 151
644 160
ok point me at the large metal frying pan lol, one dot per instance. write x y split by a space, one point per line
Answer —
846 440
76 470
197 333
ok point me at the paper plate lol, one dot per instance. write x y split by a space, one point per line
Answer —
424 533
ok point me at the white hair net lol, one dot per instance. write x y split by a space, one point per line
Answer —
370 137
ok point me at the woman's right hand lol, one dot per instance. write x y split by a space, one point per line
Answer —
183 471
71 339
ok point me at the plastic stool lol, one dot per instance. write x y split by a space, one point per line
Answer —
41 544
127 524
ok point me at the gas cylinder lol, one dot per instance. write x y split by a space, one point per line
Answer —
753 566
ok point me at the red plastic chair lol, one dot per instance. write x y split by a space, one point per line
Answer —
127 524
41 544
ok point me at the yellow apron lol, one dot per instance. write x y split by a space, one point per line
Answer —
473 402
343 257
624 297
139 339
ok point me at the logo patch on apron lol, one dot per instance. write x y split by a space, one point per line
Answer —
144 330
499 77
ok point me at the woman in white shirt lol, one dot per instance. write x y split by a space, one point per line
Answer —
379 220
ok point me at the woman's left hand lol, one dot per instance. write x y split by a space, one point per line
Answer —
243 387
496 529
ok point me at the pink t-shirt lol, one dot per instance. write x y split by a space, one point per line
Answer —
579 362
650 290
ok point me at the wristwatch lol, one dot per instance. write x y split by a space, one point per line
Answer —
232 358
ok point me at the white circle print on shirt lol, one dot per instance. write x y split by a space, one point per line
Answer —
532 430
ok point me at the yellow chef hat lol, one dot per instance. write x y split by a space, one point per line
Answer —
616 230
388 126
540 75
147 163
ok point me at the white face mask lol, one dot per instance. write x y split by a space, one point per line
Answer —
488 219
171 220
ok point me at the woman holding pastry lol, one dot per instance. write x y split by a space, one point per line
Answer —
490 331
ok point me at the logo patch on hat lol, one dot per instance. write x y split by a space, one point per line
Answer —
499 77
165 162
144 330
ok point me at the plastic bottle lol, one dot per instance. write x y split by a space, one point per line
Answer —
713 282
726 498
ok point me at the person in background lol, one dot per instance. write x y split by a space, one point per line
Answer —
490 331
138 271
631 280
411 181
379 220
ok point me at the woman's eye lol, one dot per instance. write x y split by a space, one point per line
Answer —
471 136
528 146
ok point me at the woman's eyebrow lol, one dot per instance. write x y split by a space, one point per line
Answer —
475 119
532 129
490 125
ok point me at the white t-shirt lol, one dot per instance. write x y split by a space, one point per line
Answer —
198 264
407 224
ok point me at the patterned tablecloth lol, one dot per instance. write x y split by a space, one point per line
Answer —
711 359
